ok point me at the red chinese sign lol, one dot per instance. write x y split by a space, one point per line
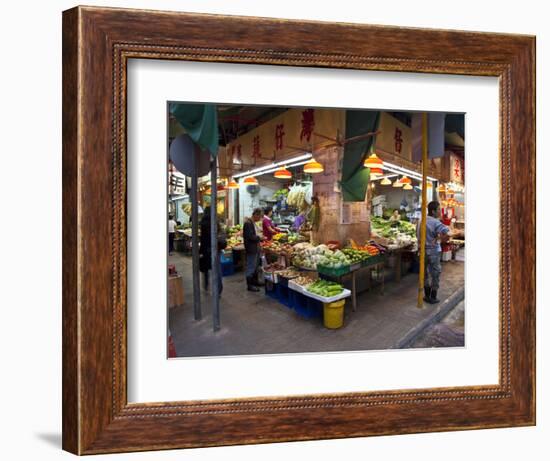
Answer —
308 122
457 169
398 138
256 147
279 134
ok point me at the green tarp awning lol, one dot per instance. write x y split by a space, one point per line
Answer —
355 177
200 122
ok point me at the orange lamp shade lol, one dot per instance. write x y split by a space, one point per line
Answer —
250 180
441 188
373 162
233 185
283 173
376 172
313 167
405 180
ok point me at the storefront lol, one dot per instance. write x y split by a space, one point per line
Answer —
359 218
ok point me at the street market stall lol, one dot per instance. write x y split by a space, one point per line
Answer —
342 218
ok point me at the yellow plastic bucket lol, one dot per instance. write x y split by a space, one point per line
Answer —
334 314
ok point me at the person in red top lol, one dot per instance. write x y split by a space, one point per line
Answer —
268 229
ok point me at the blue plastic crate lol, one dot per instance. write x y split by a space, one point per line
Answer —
227 268
314 308
270 289
299 303
283 295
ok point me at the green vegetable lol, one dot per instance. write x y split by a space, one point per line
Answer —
325 288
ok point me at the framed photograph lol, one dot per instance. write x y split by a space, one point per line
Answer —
281 230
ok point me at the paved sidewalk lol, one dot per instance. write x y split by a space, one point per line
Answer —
448 332
252 323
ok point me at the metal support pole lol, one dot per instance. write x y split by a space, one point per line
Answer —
214 245
422 243
195 237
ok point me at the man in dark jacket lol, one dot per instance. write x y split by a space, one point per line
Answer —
205 252
252 248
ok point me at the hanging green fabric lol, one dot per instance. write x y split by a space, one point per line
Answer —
200 122
355 177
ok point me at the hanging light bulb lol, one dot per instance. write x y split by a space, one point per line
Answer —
250 180
375 165
233 185
282 173
385 182
313 167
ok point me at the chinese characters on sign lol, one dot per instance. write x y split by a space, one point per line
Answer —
279 133
394 138
176 181
308 122
457 169
256 148
398 138
287 135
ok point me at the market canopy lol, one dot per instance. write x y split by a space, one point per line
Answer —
200 122
355 177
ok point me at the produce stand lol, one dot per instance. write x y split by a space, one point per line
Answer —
182 242
340 273
239 257
456 244
398 254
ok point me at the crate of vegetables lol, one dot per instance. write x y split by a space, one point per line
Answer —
373 260
334 271
333 264
286 275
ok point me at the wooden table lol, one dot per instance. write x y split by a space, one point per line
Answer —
353 275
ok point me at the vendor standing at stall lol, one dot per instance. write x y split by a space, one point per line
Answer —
436 232
299 221
268 229
252 248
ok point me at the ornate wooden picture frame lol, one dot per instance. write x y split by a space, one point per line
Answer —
97 44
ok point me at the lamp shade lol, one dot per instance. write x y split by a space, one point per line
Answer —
441 188
233 185
405 180
376 172
283 173
250 180
385 182
313 167
397 183
407 187
373 162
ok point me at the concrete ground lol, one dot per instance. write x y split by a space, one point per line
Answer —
252 323
448 332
